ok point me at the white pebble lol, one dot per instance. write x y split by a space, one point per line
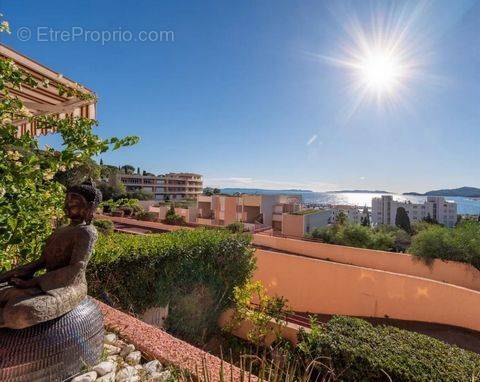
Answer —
164 376
110 377
133 358
87 377
126 350
120 343
105 367
127 374
110 338
153 366
111 350
114 358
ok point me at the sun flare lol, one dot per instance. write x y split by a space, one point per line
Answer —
380 72
382 57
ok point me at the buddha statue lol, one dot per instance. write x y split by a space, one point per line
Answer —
27 299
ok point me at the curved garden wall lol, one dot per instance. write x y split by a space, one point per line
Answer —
450 272
319 286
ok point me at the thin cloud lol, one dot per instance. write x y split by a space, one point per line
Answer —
312 139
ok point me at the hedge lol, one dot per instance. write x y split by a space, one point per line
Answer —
104 226
363 352
194 271
461 243
356 235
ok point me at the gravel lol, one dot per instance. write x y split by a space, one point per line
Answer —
123 363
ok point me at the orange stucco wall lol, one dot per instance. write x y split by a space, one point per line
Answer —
448 271
293 225
319 286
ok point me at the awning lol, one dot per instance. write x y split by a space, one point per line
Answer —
45 100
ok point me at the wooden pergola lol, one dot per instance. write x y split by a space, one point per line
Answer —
45 100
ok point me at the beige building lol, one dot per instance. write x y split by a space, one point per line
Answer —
384 210
255 211
301 223
171 186
353 213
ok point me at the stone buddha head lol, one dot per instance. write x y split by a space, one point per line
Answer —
81 202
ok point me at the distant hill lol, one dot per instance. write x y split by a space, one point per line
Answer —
467 192
359 191
261 191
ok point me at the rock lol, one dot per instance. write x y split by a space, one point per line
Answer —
127 374
105 367
111 350
110 377
110 338
87 377
114 358
153 366
120 343
164 376
133 358
126 350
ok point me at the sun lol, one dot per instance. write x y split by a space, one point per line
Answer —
380 72
382 56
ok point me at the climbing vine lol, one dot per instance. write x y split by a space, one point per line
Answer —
30 199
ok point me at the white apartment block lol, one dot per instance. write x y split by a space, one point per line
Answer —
384 210
353 213
171 186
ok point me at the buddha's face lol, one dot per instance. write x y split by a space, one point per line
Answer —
76 207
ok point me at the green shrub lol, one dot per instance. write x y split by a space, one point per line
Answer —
172 218
362 352
459 244
235 227
355 235
104 226
147 216
139 272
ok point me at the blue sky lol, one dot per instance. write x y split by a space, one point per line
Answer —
247 95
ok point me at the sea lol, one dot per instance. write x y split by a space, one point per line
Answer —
465 206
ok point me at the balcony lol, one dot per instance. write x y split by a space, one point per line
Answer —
276 217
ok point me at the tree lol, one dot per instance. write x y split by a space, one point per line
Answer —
216 191
172 218
341 218
108 171
139 194
30 196
429 219
208 191
365 220
402 220
111 190
101 162
86 170
128 169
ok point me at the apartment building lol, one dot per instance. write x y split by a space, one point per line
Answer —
353 213
384 210
300 223
171 186
253 210
178 186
